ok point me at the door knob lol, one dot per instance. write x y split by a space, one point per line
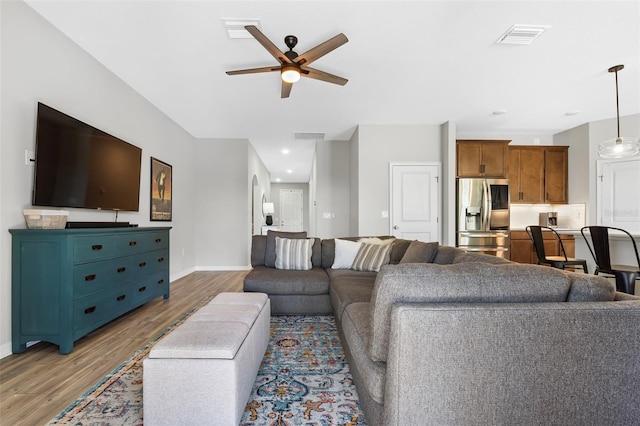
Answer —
396 227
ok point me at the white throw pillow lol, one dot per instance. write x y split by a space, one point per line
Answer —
294 254
345 252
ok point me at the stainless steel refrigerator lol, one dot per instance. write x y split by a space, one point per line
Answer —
482 222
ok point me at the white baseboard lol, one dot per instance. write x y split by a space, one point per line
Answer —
223 268
5 350
181 274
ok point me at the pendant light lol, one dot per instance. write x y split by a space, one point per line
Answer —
618 147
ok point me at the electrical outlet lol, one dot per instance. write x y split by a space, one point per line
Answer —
29 157
384 214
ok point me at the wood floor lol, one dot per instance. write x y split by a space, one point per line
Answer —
36 385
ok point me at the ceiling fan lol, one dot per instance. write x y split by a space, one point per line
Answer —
292 65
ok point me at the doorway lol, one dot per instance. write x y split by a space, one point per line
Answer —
291 210
415 201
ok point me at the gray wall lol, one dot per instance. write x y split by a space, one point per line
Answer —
379 145
41 64
333 193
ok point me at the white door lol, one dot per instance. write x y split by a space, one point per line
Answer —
291 210
415 201
617 194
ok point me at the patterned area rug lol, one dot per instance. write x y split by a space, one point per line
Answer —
304 379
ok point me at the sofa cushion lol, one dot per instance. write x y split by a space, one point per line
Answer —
478 257
278 281
270 249
345 252
471 282
446 254
420 252
258 249
398 249
293 253
590 288
371 257
347 287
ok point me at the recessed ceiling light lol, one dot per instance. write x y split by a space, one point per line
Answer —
289 171
235 27
285 151
499 112
278 179
522 34
574 112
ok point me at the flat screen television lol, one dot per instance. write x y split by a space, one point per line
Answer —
77 165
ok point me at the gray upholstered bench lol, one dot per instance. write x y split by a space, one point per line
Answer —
204 370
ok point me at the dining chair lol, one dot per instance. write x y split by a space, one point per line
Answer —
535 233
626 275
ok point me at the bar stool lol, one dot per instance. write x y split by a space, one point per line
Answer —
535 233
625 275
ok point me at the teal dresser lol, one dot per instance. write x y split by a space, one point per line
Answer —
67 282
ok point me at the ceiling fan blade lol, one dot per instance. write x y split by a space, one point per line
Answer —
253 70
286 89
322 49
267 44
324 76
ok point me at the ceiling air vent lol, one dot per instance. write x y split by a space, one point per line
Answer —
308 136
235 27
522 34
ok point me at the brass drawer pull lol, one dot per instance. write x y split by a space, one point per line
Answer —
90 277
96 247
90 310
161 280
161 259
141 289
142 264
121 297
158 240
122 269
133 243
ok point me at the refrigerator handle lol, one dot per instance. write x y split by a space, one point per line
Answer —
486 214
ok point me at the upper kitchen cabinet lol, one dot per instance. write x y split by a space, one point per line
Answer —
482 158
538 174
526 174
556 174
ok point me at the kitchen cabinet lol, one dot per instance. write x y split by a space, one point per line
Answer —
481 158
522 250
538 174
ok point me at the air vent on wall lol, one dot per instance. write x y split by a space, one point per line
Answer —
235 27
522 34
308 136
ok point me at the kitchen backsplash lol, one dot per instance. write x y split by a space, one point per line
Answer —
570 216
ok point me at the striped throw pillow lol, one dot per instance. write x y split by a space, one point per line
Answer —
371 257
294 254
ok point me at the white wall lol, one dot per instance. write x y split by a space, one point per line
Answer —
354 183
448 183
577 141
378 145
41 64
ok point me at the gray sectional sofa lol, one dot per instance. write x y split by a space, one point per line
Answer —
443 337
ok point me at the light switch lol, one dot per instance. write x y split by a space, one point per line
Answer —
29 157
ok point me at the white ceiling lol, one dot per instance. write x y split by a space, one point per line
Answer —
408 62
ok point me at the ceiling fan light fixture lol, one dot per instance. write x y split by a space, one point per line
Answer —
290 74
618 147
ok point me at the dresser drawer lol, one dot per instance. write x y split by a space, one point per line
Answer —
149 263
93 248
96 276
132 243
96 309
157 240
151 287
